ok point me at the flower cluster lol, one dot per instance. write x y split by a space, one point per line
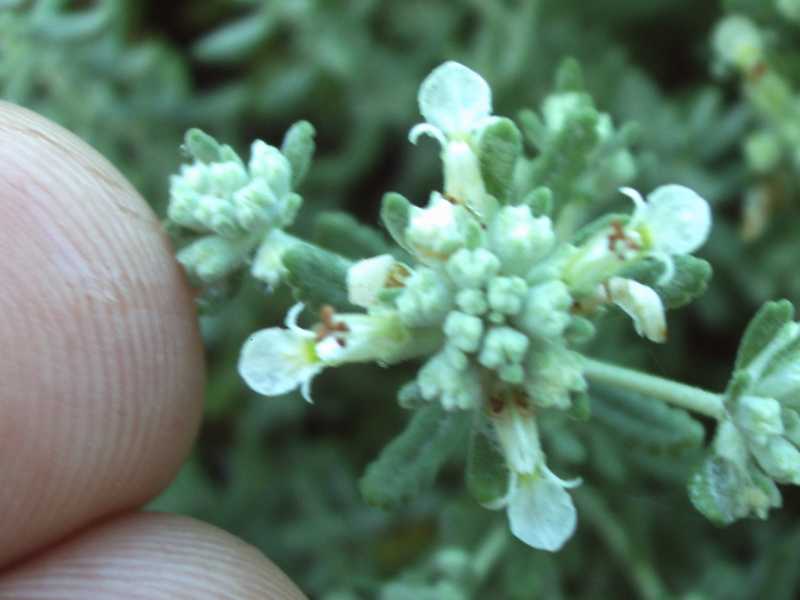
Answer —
756 445
238 209
494 298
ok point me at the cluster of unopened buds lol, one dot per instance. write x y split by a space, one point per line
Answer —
494 299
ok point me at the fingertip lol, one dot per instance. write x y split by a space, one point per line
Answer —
151 556
102 361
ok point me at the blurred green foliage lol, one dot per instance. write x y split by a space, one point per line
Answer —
131 76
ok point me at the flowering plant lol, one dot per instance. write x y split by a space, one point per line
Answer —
497 285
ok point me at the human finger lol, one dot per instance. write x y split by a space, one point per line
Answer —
100 356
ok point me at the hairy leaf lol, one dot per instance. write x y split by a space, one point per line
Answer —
298 147
410 463
499 148
235 40
487 475
715 490
762 329
644 421
317 277
395 214
689 281
343 234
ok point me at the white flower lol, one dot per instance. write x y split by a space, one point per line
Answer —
454 100
642 304
379 335
540 511
463 180
275 361
366 278
674 220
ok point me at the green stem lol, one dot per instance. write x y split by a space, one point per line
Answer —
672 392
491 549
633 560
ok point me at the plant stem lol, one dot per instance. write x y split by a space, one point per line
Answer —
672 392
491 549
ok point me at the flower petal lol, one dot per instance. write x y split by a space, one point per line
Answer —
454 98
275 361
421 129
678 218
642 304
366 278
541 513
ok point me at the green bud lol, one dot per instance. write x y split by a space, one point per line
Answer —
465 331
212 258
395 214
298 147
540 201
202 146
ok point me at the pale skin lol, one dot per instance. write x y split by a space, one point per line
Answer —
101 372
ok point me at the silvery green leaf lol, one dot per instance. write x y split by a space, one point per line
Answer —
395 214
644 421
566 156
716 490
487 476
762 329
317 277
499 148
533 129
580 406
202 146
540 201
412 460
342 233
689 281
298 147
235 40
